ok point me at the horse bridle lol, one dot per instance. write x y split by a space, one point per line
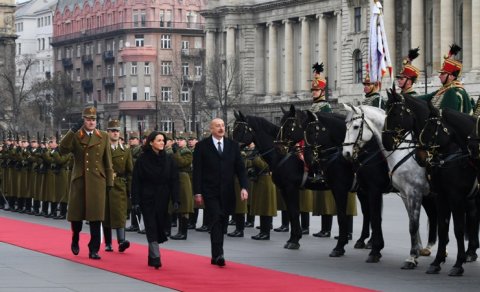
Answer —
355 145
399 135
285 145
247 127
318 150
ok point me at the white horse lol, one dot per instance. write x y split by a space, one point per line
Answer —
365 123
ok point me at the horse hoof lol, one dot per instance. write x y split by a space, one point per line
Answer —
409 266
359 245
456 272
425 252
471 257
374 258
337 253
433 270
292 245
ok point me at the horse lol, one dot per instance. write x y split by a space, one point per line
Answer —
287 169
370 168
324 160
409 114
367 123
454 179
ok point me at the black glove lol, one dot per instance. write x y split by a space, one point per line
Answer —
176 205
77 126
136 208
175 148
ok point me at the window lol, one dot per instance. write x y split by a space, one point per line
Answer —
136 18
88 98
121 67
120 44
121 94
109 97
166 125
166 41
133 68
147 93
357 66
134 93
143 17
166 68
358 19
166 94
185 45
142 122
162 18
147 68
198 70
43 44
77 71
139 40
99 71
184 95
185 69
99 48
99 95
78 51
59 54
19 48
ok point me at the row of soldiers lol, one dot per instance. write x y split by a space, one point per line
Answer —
34 177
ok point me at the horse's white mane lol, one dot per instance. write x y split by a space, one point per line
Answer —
374 116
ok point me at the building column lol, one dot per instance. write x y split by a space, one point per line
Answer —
260 80
322 41
272 58
467 35
474 36
437 52
418 32
230 43
209 44
338 61
389 21
446 27
288 60
305 65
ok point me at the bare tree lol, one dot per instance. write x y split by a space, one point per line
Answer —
16 92
224 85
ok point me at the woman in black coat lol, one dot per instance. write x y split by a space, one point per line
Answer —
155 182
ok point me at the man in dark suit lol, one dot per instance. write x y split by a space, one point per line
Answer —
216 160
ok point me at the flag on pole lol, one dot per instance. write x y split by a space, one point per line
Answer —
379 62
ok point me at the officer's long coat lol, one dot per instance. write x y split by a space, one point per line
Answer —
116 205
92 173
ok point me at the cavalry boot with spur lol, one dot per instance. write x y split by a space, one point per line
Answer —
123 244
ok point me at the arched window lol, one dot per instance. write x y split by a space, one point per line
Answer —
357 66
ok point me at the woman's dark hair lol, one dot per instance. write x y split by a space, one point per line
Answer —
152 137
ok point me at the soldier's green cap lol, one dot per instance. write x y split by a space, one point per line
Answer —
113 125
133 135
181 138
89 112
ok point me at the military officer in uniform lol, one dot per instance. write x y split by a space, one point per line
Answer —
116 200
451 94
319 84
92 174
409 74
62 169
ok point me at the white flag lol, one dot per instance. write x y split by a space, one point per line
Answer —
378 54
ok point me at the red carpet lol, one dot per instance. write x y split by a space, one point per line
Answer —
180 271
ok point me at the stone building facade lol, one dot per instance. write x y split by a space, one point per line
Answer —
136 60
278 41
7 52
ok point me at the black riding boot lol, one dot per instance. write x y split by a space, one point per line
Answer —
107 234
63 211
285 223
28 206
305 218
123 244
326 226
182 229
192 219
45 207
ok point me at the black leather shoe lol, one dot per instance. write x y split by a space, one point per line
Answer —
75 248
191 226
349 236
142 231
219 261
232 222
154 262
179 236
305 231
131 228
282 228
123 245
322 233
94 256
202 228
261 236
60 217
108 248
236 233
249 224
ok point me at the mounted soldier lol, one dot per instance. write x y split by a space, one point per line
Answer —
409 74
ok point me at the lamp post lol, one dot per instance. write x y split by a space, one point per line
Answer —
156 112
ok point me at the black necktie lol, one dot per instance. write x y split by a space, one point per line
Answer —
219 148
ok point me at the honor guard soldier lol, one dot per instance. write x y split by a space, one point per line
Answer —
451 94
409 74
116 200
372 93
91 176
319 83
183 157
62 183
